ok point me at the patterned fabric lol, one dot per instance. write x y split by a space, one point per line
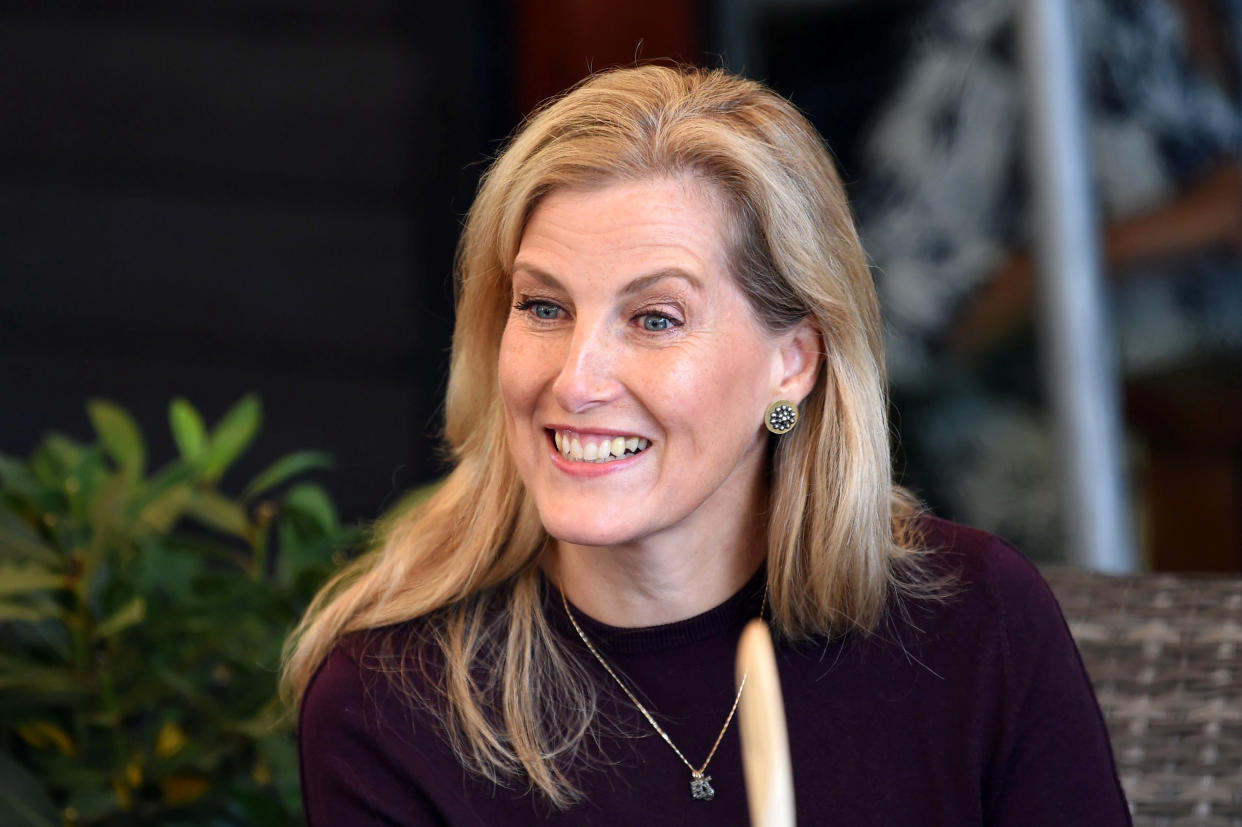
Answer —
942 205
1165 656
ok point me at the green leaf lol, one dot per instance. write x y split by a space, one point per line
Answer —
167 569
284 468
94 802
67 451
47 469
281 756
312 501
135 611
21 579
162 513
26 613
23 798
120 436
190 690
259 806
19 542
85 478
27 676
47 735
220 513
175 474
231 436
17 477
187 429
107 509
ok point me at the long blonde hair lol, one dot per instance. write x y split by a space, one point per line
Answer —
838 540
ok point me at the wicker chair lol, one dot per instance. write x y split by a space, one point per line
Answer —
1165 656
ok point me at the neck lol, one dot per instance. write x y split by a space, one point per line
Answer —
658 580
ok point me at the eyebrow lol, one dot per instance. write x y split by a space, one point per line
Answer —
638 285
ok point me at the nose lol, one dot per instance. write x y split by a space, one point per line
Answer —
588 376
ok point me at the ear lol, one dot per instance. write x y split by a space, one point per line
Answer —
801 351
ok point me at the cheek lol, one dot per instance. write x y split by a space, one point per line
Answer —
513 378
718 396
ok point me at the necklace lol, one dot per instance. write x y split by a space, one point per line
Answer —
701 788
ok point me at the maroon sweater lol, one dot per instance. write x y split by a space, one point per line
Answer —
971 711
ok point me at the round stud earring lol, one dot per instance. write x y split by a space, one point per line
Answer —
782 415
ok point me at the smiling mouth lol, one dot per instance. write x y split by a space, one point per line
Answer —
577 447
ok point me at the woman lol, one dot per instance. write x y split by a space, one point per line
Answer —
667 415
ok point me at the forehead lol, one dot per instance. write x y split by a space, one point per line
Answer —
624 227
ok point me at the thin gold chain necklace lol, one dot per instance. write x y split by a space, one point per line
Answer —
700 785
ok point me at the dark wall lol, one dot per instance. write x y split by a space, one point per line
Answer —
209 199
838 62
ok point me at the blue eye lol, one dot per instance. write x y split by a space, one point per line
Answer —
544 311
656 323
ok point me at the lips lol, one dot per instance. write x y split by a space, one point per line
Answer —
576 446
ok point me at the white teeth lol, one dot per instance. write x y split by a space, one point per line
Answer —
573 448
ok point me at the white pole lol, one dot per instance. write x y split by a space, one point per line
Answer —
1080 363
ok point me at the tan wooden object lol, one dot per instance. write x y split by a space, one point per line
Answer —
765 740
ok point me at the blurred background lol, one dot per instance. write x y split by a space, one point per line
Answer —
263 197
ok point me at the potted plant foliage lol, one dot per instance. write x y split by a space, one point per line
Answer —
141 621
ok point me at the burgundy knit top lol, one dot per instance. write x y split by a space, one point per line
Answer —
975 710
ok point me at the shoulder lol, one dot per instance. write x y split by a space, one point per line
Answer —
999 604
982 555
987 598
1048 759
344 704
367 677
368 751
338 689
987 575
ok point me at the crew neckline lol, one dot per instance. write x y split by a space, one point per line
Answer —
728 617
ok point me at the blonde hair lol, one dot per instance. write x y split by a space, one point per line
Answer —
839 538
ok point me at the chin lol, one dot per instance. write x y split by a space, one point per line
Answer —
602 533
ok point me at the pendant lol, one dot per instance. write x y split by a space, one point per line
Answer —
701 788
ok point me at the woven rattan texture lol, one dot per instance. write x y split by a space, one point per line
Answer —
1165 656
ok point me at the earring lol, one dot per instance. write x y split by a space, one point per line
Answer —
782 415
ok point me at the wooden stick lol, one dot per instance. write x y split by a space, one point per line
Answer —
765 741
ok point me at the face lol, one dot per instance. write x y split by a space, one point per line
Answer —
633 372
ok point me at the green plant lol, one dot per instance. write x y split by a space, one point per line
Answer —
141 621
